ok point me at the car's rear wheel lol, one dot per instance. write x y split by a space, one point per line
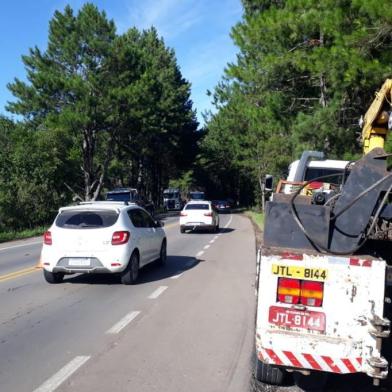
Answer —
131 273
163 254
217 228
182 230
53 277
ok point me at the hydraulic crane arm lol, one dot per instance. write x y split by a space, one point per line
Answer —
375 124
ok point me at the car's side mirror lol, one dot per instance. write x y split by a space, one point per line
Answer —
159 223
268 183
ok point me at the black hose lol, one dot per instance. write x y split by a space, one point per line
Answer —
315 243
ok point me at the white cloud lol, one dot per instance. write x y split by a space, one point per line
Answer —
169 17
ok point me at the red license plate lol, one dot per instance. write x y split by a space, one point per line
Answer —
291 318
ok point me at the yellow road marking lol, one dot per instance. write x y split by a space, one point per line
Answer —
17 274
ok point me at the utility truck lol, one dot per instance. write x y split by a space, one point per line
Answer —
324 270
172 199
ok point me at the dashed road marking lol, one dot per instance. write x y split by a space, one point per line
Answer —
212 241
123 322
206 247
198 255
215 238
157 292
57 379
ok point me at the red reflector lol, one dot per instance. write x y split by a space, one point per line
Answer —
183 214
291 256
312 293
208 214
120 237
46 264
115 264
48 238
315 185
289 290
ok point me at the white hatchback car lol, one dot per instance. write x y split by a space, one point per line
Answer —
199 214
102 237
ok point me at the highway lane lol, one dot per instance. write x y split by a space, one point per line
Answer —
186 326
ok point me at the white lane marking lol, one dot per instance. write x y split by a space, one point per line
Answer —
206 247
197 255
123 322
215 238
212 241
57 379
157 292
227 224
176 276
19 246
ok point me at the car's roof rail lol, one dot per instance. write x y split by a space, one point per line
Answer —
92 202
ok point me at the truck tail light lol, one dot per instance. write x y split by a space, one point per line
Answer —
208 214
48 238
312 293
183 214
120 237
289 290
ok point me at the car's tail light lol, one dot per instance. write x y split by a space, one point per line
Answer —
120 237
183 214
48 238
312 293
289 290
208 214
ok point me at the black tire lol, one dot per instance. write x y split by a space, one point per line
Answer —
217 228
162 254
182 230
131 273
269 374
53 277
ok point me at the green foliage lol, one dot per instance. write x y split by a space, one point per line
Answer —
185 182
305 73
99 110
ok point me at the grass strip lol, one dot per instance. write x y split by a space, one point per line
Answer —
22 234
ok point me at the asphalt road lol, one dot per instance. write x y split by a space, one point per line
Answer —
187 326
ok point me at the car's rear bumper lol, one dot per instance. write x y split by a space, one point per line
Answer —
201 226
93 270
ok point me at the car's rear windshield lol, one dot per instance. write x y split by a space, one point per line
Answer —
73 219
197 206
122 196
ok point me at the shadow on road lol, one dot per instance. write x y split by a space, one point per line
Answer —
149 273
223 230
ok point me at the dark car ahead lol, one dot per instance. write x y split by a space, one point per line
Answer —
222 205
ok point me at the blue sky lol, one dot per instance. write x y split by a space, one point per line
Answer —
198 31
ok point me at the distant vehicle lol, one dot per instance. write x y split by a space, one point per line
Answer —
199 215
102 237
221 205
196 195
172 199
131 195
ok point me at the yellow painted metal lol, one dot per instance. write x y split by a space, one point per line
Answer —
299 272
374 135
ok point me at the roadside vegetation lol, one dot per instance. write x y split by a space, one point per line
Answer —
100 109
18 235
257 217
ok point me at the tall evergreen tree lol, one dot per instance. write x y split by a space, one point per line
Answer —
305 73
68 85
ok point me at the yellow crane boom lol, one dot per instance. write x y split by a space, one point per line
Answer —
375 125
